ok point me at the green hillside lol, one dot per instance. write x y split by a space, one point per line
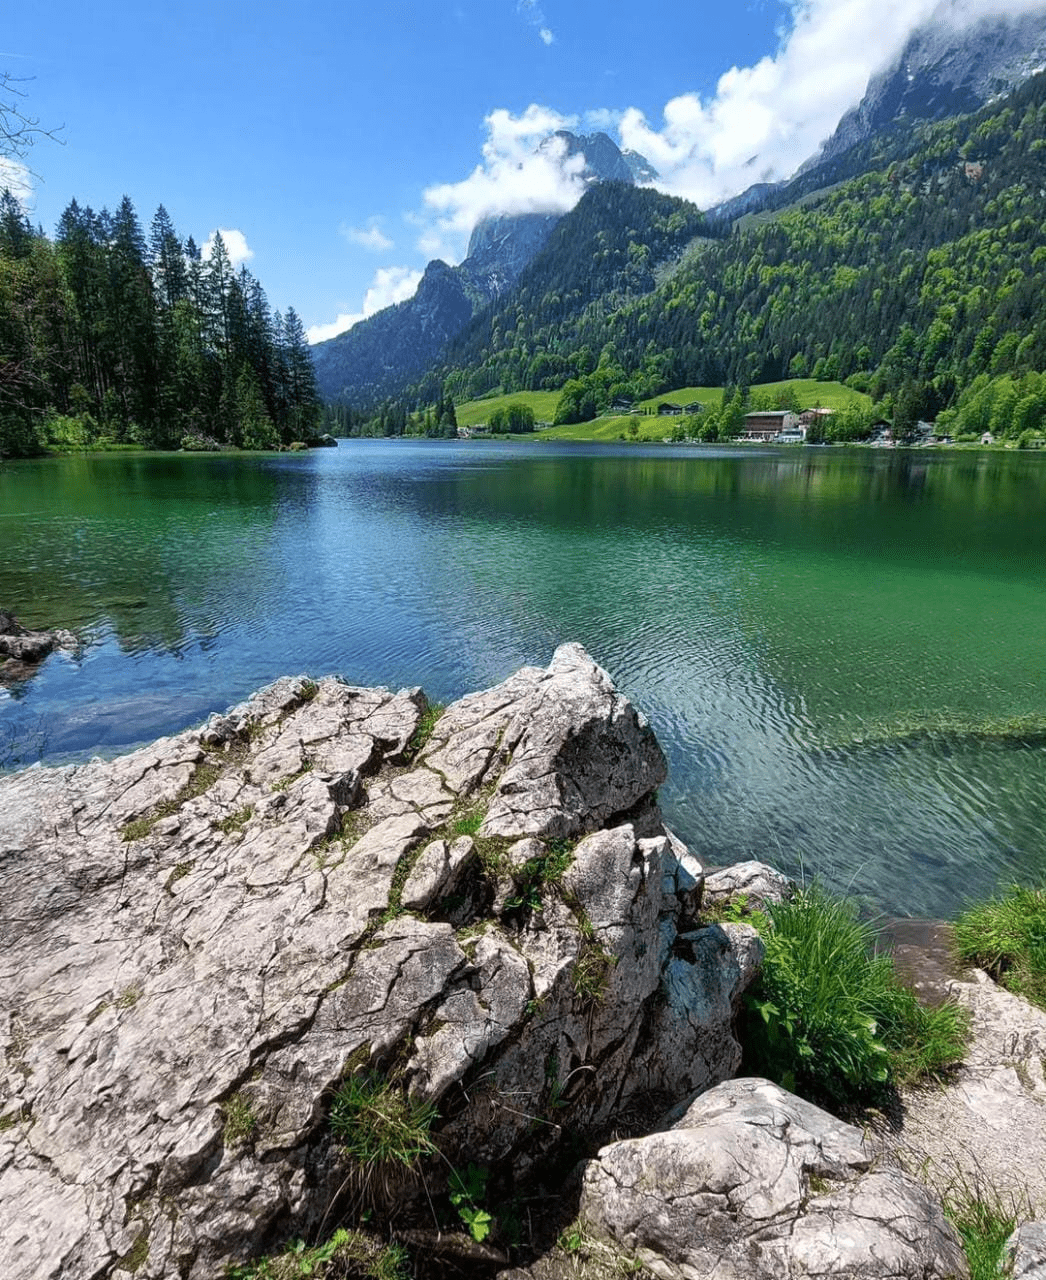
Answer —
808 392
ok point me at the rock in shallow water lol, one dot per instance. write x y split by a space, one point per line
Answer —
203 937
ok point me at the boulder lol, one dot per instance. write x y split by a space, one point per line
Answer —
205 938
753 1183
754 882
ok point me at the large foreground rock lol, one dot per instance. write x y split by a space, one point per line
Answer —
755 1184
203 938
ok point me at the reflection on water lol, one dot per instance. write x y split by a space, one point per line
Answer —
762 608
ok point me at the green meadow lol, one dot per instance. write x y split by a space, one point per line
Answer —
811 394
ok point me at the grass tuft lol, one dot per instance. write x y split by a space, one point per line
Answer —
1006 936
429 719
377 1125
829 1018
235 821
240 1121
984 1224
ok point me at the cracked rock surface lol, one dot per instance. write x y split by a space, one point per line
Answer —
753 1183
203 938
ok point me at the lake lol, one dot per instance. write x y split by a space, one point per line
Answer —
828 642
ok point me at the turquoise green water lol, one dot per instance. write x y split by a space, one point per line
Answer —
811 632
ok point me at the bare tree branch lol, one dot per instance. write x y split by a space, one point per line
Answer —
18 131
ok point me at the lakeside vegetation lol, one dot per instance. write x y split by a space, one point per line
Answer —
109 340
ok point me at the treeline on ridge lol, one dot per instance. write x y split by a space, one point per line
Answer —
105 336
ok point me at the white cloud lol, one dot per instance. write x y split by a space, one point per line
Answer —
517 175
390 285
370 237
546 36
235 242
765 120
17 179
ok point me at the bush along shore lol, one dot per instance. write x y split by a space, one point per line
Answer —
342 983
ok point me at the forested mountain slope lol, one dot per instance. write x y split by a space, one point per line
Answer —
921 274
603 254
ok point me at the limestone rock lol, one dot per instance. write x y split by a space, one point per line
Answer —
204 937
993 1104
757 883
22 650
753 1183
1025 1255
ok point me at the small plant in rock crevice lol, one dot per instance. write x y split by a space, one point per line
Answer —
430 717
377 1125
240 1121
468 1190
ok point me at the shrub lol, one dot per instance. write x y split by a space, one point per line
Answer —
829 1018
1007 937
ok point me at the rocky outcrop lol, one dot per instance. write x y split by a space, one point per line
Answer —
753 1183
966 1134
205 938
22 650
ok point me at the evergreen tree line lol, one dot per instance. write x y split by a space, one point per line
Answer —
107 335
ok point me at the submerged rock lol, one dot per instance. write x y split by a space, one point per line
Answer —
22 650
204 938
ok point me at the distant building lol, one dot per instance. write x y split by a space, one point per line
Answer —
621 405
695 406
766 427
792 435
809 416
668 410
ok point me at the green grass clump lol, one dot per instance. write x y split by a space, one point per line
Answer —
236 821
828 1018
240 1120
377 1125
429 719
984 1225
531 878
1007 938
592 973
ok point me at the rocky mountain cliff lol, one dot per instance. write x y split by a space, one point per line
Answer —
381 354
944 71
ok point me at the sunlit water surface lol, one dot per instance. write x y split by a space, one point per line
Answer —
788 620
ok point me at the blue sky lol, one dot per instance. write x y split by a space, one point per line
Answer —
343 145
